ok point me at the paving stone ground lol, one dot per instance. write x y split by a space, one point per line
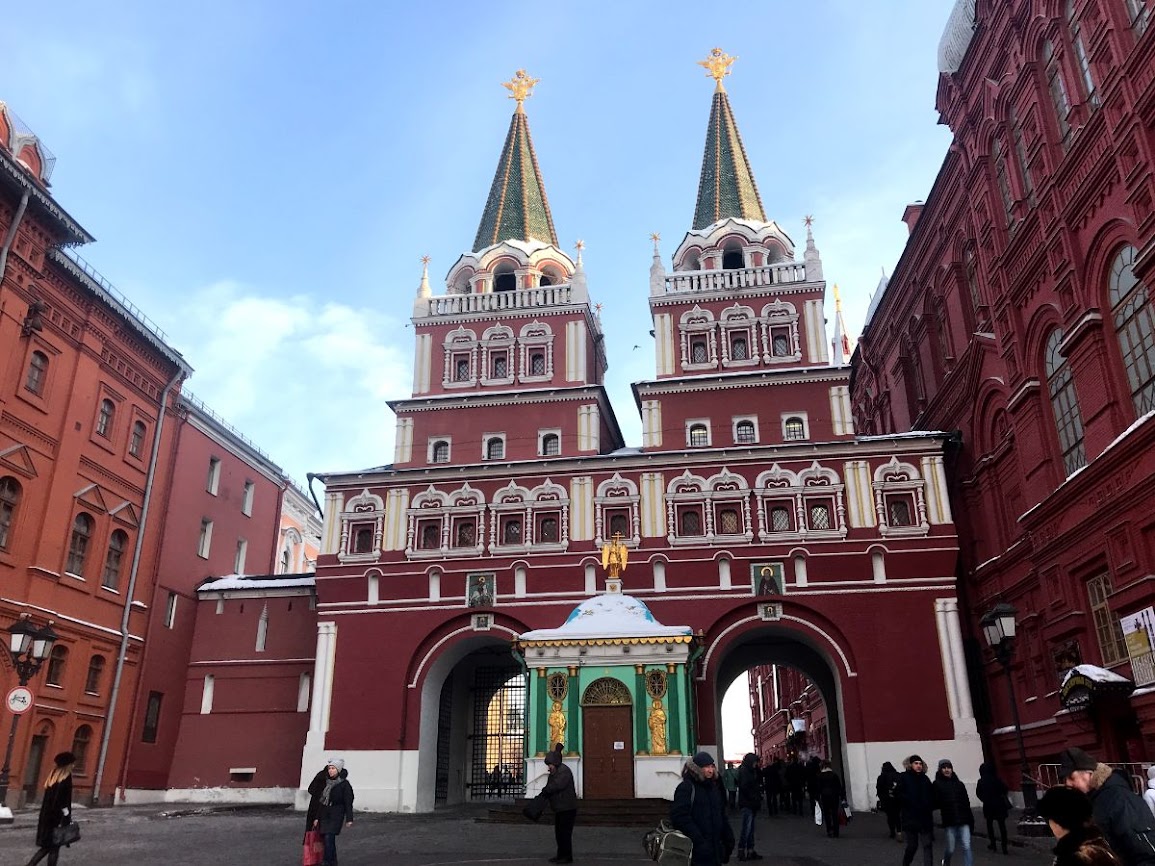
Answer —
143 836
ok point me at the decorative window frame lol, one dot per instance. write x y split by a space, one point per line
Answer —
513 499
817 481
726 488
547 497
535 335
801 416
365 507
494 340
614 493
739 318
691 423
486 439
780 314
432 444
693 323
458 341
900 479
740 419
541 434
707 494
433 504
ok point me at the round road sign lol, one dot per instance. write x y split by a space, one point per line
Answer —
19 700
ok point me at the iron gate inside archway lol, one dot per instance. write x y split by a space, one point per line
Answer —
498 753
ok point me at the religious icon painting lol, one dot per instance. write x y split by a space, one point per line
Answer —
481 589
767 578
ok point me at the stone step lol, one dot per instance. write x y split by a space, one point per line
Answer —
591 813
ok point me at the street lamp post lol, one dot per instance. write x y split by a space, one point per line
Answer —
29 647
999 630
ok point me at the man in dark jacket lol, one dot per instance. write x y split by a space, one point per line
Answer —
1119 812
796 784
749 802
830 794
772 782
992 791
916 812
562 796
699 811
887 802
954 804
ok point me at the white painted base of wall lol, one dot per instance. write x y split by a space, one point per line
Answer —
384 781
142 796
864 762
658 775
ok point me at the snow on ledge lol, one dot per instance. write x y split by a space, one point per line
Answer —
251 582
609 616
1095 674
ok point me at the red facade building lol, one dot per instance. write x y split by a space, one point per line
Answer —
1020 315
789 715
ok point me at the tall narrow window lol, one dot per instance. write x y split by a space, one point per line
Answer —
136 439
699 354
170 610
114 561
739 347
151 717
1058 90
263 629
239 558
495 449
56 664
780 342
95 671
1139 13
500 366
247 498
37 373
80 742
1134 328
537 364
972 276
1081 53
285 561
213 482
1003 182
104 419
204 543
1065 403
1020 147
1107 628
78 544
9 501
511 530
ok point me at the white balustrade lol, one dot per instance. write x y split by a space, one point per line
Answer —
739 278
518 299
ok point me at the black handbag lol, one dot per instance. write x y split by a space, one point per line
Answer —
66 834
534 808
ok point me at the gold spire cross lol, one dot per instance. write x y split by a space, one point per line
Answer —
520 87
718 66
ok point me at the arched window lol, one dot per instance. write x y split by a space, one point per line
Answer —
1081 53
511 531
1058 90
1139 14
780 519
691 522
80 743
744 432
285 561
500 366
104 419
732 258
780 344
461 369
1134 328
548 530
95 671
466 534
728 522
550 445
56 663
430 536
795 429
819 517
505 280
1065 404
1002 181
699 436
117 543
537 364
37 373
899 512
362 540
699 352
619 525
136 440
739 347
495 449
78 543
1020 148
9 501
970 265
441 452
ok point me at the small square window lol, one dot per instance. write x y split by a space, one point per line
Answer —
699 435
689 522
550 444
461 368
511 530
745 432
794 429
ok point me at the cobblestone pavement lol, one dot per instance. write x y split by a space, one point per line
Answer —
145 836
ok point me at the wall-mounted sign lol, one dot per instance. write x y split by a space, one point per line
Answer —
19 700
619 746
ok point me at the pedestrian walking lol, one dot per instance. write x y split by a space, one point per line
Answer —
958 819
831 793
916 812
796 784
813 768
55 809
561 795
330 806
730 783
1149 794
992 792
749 803
699 811
1080 843
1120 813
772 782
887 802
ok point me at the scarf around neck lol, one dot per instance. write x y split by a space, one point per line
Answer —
330 784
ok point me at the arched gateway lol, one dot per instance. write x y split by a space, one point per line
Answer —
461 575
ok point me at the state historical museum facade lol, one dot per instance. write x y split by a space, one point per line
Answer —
752 514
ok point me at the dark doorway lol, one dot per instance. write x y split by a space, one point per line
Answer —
607 753
444 742
732 259
32 769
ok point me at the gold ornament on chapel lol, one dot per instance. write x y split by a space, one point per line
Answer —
718 65
615 555
520 87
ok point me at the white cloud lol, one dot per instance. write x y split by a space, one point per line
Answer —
304 379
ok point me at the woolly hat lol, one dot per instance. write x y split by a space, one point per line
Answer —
945 762
914 758
339 763
64 759
1067 807
1074 759
704 759
554 757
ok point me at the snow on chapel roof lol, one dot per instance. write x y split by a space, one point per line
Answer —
612 616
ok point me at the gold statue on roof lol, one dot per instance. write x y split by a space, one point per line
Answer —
718 66
520 87
615 555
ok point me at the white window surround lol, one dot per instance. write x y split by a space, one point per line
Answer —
529 504
691 423
433 504
734 320
698 323
785 315
617 493
738 419
801 416
724 488
486 439
892 478
535 337
496 341
782 487
363 508
460 341
541 434
432 445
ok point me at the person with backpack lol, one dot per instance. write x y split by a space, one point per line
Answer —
1120 813
699 811
992 792
884 788
749 802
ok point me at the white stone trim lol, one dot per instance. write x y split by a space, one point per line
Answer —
738 419
403 444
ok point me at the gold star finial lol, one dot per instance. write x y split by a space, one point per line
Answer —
718 66
655 236
425 260
520 87
579 245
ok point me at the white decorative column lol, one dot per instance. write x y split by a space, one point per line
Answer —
313 755
954 666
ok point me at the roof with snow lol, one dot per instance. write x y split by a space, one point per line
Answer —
726 187
257 582
1095 674
610 617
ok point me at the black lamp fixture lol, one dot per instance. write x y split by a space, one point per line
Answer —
29 647
34 318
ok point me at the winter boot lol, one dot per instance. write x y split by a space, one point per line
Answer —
742 854
751 854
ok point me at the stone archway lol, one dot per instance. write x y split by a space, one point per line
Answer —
607 740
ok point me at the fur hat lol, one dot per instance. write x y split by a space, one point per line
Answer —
704 759
1073 759
64 759
1068 808
339 763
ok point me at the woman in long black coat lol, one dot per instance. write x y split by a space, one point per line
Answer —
992 791
330 806
55 808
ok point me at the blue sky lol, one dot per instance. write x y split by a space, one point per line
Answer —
263 177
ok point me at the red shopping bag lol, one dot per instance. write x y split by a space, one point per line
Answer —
314 849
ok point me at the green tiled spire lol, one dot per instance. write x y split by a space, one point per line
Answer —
517 208
727 187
